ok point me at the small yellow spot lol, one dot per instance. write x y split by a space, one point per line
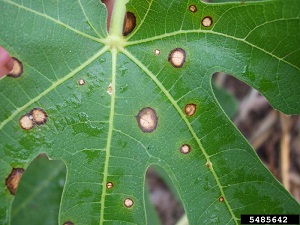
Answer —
109 185
38 116
128 202
207 21
193 8
109 89
26 122
81 82
185 149
13 180
177 57
147 120
157 52
190 109
17 68
221 199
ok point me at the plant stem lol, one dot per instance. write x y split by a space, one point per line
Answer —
118 14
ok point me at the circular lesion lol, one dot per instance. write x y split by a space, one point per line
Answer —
185 149
147 119
193 8
26 122
177 57
207 21
39 116
190 109
109 185
128 202
36 116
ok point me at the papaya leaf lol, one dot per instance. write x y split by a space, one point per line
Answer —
110 105
38 196
226 100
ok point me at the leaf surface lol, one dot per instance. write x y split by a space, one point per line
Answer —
39 193
92 86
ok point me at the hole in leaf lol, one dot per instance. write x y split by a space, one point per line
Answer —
221 199
259 123
13 180
17 70
129 23
39 192
163 204
109 7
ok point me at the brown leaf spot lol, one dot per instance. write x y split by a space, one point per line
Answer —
109 185
207 21
177 57
193 8
68 223
81 82
39 116
129 23
185 149
109 89
147 120
208 165
26 122
17 68
221 199
13 180
190 109
128 202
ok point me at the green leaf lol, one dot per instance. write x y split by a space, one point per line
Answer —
94 127
226 100
221 1
39 193
152 216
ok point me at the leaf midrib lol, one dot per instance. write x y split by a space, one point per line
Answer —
183 117
114 53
